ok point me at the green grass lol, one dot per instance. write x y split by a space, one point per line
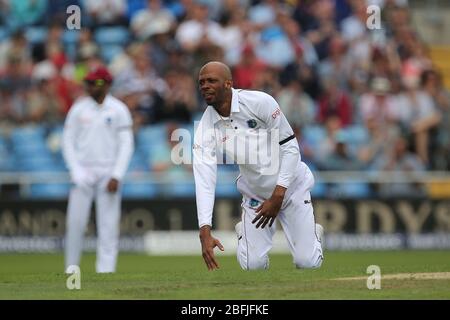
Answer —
33 276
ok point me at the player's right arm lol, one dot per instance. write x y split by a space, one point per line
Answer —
68 138
70 131
205 175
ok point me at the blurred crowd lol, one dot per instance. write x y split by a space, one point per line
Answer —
358 99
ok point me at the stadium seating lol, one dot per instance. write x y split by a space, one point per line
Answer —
6 162
109 51
319 190
70 40
356 134
138 162
180 189
150 136
3 145
49 190
152 133
4 34
36 164
36 34
349 190
314 134
136 190
111 40
226 181
226 190
27 133
31 148
112 35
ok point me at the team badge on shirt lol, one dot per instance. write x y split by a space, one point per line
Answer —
254 203
252 123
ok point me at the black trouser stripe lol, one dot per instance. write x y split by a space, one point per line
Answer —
287 139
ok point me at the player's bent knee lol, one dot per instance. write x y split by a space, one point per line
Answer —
255 264
303 262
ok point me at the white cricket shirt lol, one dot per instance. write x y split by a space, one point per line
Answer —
256 136
98 135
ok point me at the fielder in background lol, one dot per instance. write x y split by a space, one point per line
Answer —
97 147
241 125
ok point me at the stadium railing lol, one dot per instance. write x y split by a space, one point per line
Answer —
329 184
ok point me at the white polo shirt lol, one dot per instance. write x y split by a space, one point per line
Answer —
98 135
256 136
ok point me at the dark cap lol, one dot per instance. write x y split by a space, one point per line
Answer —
99 73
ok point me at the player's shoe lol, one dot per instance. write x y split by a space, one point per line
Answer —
319 232
238 229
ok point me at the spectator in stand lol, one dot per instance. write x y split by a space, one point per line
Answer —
327 145
378 104
273 45
15 78
336 65
24 13
153 19
297 106
198 29
321 27
86 45
130 94
161 157
248 70
341 158
142 73
12 107
323 43
431 83
179 100
268 81
416 113
44 104
354 26
398 162
234 29
335 102
302 47
17 48
381 137
106 12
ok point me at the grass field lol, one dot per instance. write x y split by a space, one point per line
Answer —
32 276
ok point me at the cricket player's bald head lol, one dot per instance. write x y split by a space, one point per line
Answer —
218 68
215 84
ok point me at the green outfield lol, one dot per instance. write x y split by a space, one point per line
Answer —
32 276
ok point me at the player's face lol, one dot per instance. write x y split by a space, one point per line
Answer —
212 88
96 88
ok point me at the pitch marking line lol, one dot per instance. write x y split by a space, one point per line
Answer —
406 276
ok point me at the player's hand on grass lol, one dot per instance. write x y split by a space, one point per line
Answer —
113 185
268 211
208 244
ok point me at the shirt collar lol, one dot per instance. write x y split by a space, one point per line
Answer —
103 105
234 106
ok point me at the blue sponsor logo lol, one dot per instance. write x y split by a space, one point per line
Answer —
254 203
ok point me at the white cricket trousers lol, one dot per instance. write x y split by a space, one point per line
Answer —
298 223
107 221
